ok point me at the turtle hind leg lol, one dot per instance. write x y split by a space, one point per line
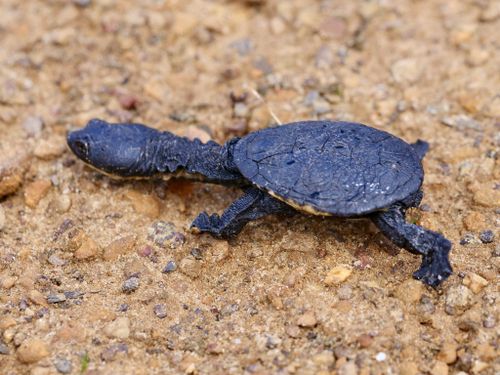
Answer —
253 205
433 247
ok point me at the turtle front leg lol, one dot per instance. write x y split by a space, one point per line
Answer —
433 247
253 205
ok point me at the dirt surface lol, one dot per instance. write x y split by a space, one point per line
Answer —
103 277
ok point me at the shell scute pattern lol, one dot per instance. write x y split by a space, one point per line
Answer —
339 168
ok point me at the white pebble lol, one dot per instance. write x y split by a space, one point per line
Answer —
381 357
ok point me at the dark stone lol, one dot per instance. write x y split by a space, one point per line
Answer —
130 285
170 267
4 350
160 311
487 236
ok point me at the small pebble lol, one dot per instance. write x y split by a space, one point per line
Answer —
345 293
51 148
467 239
348 368
170 267
292 331
63 365
110 353
35 191
130 285
197 253
380 357
272 342
4 350
242 46
487 236
32 350
82 3
241 110
119 328
458 299
197 132
337 275
160 311
163 234
8 282
123 307
214 348
128 101
56 261
84 246
72 294
461 122
12 172
19 338
475 282
145 204
324 57
408 368
23 305
119 247
410 291
439 368
145 251
190 267
62 203
3 219
489 321
365 341
37 298
406 70
33 126
307 320
496 251
56 298
448 352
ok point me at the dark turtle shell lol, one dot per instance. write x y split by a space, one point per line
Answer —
330 168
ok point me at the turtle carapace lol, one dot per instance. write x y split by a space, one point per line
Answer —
318 167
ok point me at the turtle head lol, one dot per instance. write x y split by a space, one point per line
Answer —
118 149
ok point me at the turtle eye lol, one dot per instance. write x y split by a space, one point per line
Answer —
81 148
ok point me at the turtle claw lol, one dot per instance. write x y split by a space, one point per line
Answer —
435 267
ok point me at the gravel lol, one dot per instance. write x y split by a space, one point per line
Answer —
4 350
197 253
63 365
3 219
131 285
487 236
170 267
164 235
33 126
56 298
160 311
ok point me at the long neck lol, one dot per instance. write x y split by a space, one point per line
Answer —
194 159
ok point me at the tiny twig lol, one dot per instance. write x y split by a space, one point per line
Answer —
263 101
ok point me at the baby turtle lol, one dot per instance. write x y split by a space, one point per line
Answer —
318 167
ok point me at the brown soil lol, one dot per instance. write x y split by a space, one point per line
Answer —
81 256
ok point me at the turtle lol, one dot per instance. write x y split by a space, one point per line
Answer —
328 168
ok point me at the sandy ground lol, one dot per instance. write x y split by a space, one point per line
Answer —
103 277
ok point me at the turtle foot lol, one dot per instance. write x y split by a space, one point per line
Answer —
206 223
435 267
